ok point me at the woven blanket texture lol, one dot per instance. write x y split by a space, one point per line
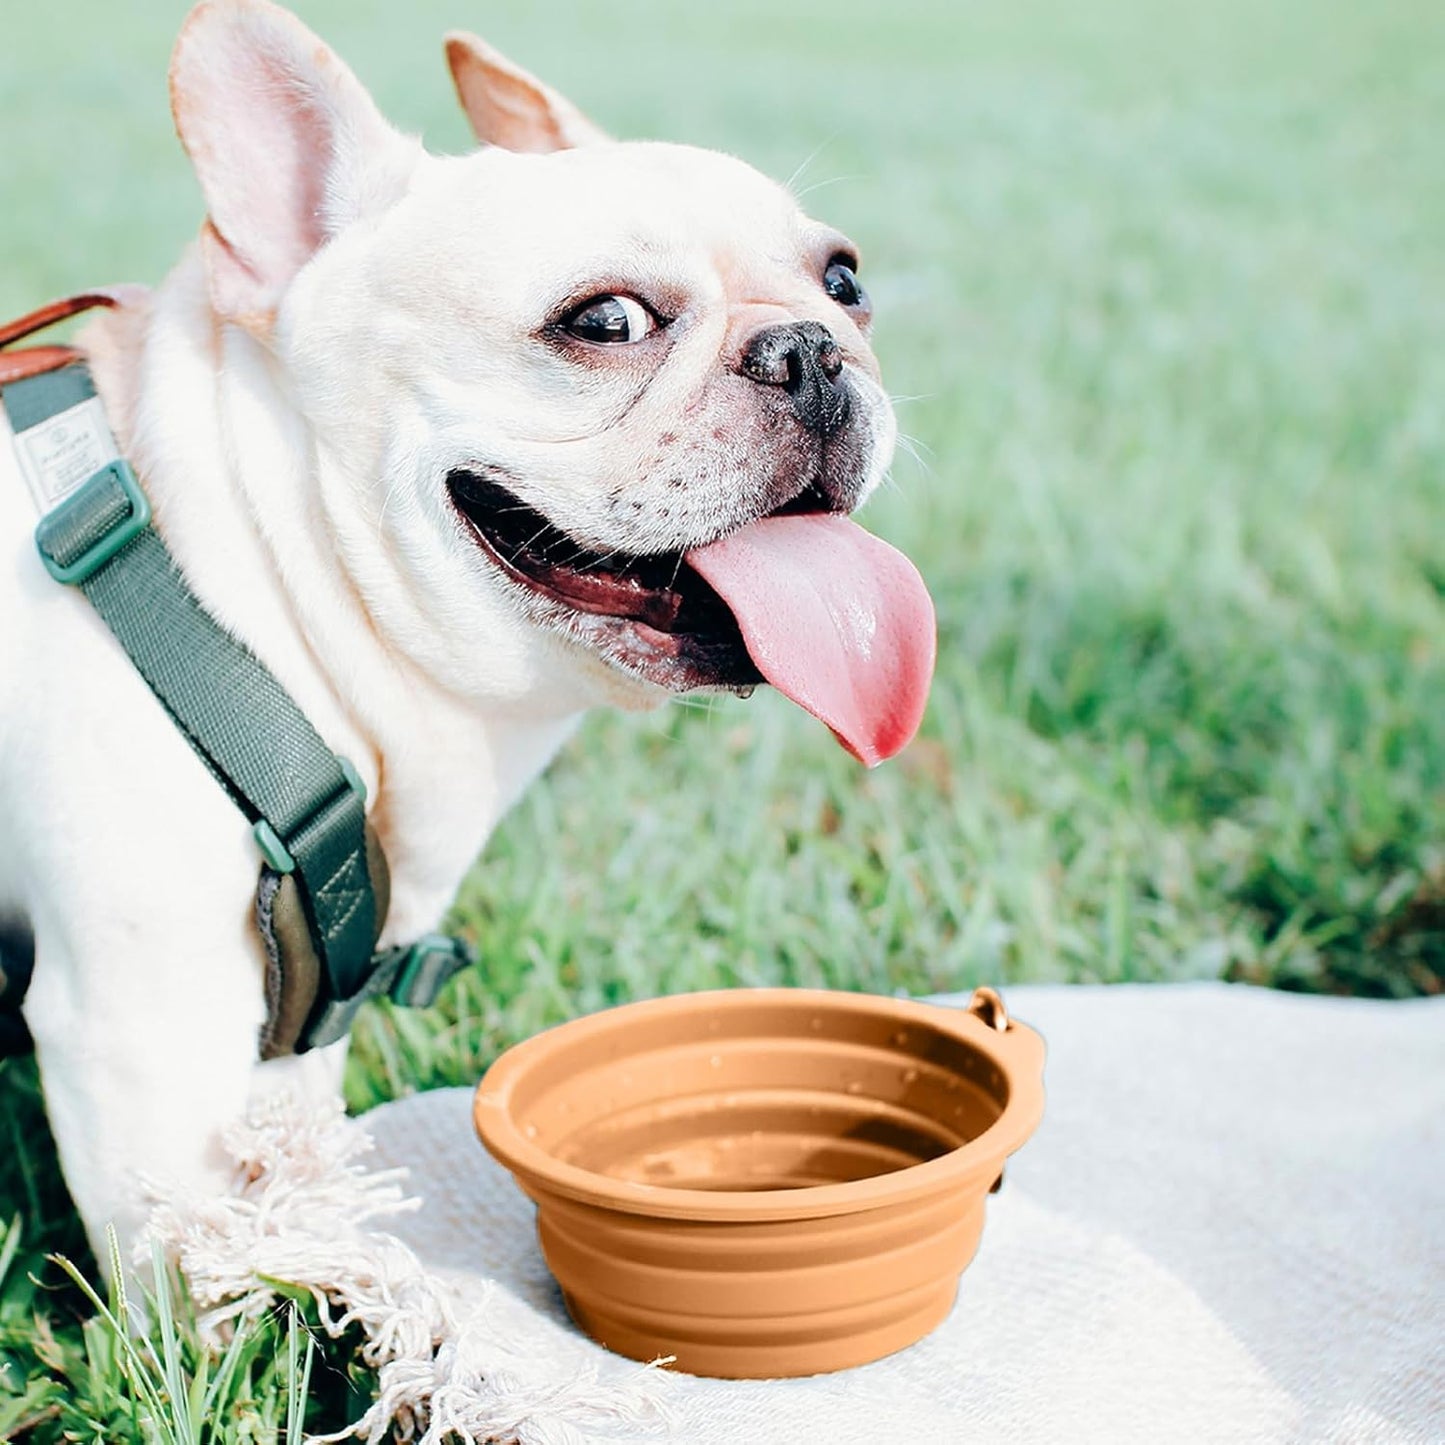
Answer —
1230 1227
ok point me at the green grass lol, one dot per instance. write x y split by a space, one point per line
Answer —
1166 293
162 1386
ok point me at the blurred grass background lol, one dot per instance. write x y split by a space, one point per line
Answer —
1163 293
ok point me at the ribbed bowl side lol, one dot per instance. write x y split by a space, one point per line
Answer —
756 1300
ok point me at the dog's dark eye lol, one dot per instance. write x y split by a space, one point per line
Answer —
611 319
840 282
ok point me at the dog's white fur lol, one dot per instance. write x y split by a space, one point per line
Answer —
359 318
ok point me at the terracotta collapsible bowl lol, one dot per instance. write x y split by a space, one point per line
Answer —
763 1182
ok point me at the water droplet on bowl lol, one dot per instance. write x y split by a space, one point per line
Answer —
909 1075
901 1038
855 1087
716 1061
815 1024
530 1131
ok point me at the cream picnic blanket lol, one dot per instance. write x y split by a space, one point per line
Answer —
1229 1228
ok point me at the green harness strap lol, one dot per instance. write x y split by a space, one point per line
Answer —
324 889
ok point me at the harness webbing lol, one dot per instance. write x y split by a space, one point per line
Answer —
306 804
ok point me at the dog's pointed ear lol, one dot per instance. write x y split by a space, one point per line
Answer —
510 108
288 147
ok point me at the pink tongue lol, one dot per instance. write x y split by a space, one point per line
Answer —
835 619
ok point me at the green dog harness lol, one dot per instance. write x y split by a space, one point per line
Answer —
324 886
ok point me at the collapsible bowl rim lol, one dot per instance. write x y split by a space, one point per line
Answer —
1015 1050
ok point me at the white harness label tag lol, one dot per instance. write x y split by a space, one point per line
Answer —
60 454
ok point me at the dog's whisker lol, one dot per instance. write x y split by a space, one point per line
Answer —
830 181
707 705
530 542
808 160
919 450
394 489
922 463
600 559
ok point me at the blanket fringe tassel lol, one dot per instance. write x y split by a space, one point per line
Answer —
304 1215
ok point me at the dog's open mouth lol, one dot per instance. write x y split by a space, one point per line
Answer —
827 613
652 614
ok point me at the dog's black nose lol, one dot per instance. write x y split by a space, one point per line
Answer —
803 358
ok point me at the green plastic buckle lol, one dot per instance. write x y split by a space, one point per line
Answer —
119 534
269 841
428 964
273 850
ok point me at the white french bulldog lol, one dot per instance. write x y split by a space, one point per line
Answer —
459 447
